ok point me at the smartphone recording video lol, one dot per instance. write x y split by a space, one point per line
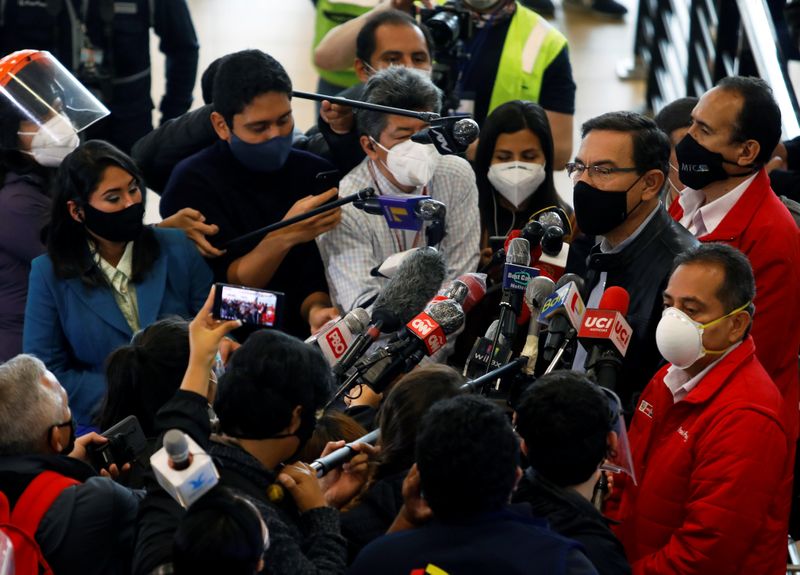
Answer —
254 307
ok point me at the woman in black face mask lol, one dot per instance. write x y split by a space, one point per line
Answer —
105 275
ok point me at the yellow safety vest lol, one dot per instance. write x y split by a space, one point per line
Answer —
331 13
531 45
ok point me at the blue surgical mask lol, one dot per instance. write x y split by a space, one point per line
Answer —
263 157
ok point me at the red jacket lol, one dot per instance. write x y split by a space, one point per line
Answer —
761 227
714 477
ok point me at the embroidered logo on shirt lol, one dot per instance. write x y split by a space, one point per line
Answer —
646 408
431 569
683 433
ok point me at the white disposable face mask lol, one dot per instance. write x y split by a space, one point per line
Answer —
680 339
516 181
411 163
52 141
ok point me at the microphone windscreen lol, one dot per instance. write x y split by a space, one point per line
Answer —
476 284
415 283
566 278
533 232
429 210
466 131
549 219
448 314
519 252
511 235
615 298
357 320
539 288
176 445
553 241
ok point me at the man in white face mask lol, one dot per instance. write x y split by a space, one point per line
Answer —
397 166
710 451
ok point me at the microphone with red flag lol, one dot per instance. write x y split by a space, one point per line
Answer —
606 334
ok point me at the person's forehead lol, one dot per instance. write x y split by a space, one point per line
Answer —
718 108
403 123
266 107
699 280
398 37
607 146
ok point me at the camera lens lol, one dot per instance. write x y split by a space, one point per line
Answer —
444 28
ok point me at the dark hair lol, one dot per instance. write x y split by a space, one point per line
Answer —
564 419
78 177
407 402
398 87
143 375
467 455
207 80
508 118
265 379
651 146
331 426
365 41
243 76
220 533
759 117
676 115
739 285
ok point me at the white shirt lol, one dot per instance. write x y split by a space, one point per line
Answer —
119 278
702 218
363 241
680 383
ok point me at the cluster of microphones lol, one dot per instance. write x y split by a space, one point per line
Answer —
414 317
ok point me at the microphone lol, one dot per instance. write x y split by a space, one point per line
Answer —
486 354
516 275
532 231
183 469
432 211
535 295
562 312
334 340
450 135
404 295
552 241
424 335
606 332
467 290
325 464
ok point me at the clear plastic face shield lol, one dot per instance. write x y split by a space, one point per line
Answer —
48 95
618 459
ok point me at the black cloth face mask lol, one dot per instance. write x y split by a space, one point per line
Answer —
600 211
122 226
698 166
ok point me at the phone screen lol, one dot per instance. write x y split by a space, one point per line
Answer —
252 306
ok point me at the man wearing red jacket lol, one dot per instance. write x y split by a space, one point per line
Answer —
708 443
735 127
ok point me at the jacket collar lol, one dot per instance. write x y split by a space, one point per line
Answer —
721 373
741 214
630 253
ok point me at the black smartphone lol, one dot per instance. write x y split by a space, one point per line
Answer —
257 307
324 181
126 441
497 242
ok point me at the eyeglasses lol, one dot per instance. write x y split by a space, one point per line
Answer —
599 173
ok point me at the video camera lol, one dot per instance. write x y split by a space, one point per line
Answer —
451 27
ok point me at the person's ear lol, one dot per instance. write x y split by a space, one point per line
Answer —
294 425
74 211
523 447
54 440
654 182
739 324
749 153
612 441
221 126
369 147
361 70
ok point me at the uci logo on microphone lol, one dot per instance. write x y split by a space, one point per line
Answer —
598 322
623 333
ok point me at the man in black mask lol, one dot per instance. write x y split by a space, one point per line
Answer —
619 173
728 198
89 525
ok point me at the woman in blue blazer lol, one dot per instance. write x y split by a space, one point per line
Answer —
105 275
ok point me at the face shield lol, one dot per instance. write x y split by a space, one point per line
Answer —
46 94
618 460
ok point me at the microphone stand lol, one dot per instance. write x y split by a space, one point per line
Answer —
570 335
424 116
360 195
478 383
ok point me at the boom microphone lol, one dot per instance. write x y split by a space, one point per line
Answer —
450 135
606 332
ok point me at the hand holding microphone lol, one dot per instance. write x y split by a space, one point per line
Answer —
539 288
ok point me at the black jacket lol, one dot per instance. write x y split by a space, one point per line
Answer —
570 515
307 543
90 526
643 268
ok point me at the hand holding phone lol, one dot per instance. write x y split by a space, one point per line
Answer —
252 306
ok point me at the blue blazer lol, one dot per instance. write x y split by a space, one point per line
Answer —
73 328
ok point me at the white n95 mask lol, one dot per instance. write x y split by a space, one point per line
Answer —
53 141
680 339
411 163
516 181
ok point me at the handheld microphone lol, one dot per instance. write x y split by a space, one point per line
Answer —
606 332
325 464
424 335
552 241
486 354
334 340
535 295
467 290
562 312
532 232
183 469
450 135
404 295
516 275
